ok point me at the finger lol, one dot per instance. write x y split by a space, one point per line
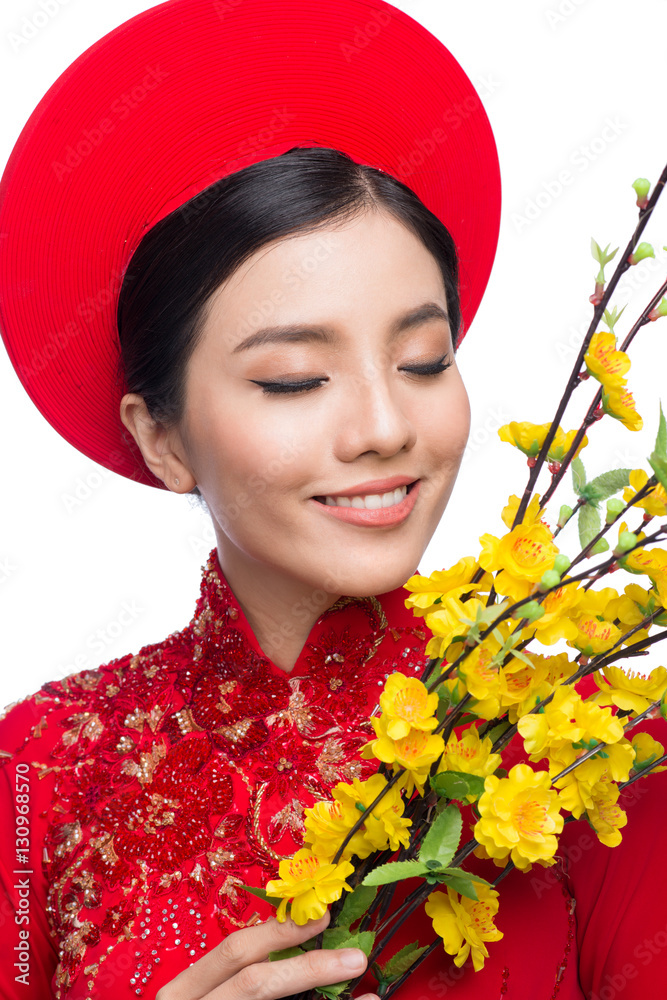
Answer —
293 975
245 947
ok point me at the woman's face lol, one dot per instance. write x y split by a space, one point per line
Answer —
265 459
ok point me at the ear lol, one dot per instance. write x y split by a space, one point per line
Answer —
161 447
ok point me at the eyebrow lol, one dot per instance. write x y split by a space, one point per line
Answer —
316 333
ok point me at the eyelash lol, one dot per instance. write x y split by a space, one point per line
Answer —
274 388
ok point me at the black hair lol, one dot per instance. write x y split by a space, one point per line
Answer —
184 258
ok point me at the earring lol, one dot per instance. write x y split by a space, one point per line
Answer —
176 481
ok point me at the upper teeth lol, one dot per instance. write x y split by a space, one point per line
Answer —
371 502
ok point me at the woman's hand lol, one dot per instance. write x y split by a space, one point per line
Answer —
238 968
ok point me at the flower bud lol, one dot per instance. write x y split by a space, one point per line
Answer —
564 515
642 251
626 541
532 610
614 508
549 579
562 563
642 188
660 310
600 546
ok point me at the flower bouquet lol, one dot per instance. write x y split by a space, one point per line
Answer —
441 741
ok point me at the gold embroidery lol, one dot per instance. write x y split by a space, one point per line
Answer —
143 769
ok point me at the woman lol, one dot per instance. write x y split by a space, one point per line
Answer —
287 342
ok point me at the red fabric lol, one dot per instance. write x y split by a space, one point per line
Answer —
162 781
179 97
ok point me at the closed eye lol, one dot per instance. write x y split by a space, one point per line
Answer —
435 368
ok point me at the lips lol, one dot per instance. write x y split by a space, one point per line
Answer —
380 517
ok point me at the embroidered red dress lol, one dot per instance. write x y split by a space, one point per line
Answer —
136 799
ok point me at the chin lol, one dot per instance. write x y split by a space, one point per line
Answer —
365 581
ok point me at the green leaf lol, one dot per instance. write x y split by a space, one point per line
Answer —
401 961
276 956
462 873
578 475
262 894
609 483
658 460
442 840
355 905
463 885
331 992
457 785
498 731
394 871
590 523
340 937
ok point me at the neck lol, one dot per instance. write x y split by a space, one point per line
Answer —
281 611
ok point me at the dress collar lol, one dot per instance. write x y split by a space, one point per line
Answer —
362 621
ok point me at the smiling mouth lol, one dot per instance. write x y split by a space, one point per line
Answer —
369 501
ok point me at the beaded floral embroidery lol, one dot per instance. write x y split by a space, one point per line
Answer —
182 772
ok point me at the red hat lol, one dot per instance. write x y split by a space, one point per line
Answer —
177 98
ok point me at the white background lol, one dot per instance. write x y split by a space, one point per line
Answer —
81 584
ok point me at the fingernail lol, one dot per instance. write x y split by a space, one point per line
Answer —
352 959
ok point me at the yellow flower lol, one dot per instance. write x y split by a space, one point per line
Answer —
606 815
655 501
522 556
533 511
310 884
567 720
386 826
556 622
578 789
470 755
604 362
652 562
465 924
482 677
328 823
407 705
529 439
595 632
448 621
455 581
415 752
562 443
520 817
629 691
619 403
646 751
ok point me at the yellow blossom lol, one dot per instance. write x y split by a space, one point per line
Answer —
465 924
652 562
533 511
629 691
604 362
556 622
328 823
481 677
619 403
448 621
455 581
407 705
529 439
566 720
655 501
470 754
646 751
415 752
578 788
596 633
606 815
519 817
522 556
310 884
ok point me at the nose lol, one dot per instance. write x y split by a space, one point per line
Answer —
374 418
